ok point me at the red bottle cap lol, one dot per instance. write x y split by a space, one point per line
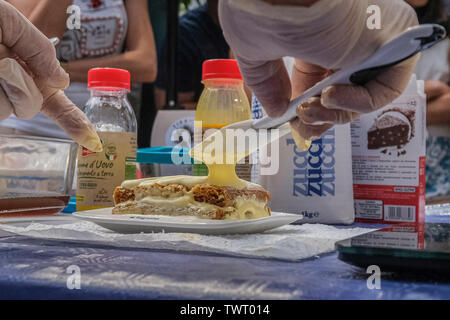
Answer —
109 77
221 69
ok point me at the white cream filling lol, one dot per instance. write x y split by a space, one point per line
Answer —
248 209
188 181
244 208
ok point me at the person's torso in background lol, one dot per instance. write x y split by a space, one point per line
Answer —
104 26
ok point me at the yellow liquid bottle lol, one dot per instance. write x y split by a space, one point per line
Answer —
222 102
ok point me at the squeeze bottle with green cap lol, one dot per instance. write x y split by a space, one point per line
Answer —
99 173
222 102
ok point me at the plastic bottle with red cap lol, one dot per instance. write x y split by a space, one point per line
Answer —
113 117
222 102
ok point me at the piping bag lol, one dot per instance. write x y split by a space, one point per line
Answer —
397 50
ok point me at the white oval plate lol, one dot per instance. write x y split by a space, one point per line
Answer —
184 224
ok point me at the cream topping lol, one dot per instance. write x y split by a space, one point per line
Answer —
188 181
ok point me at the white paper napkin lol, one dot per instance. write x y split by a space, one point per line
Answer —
292 242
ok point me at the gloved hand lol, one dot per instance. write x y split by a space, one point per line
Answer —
31 79
323 36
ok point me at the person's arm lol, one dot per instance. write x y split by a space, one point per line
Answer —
140 55
25 7
438 102
435 89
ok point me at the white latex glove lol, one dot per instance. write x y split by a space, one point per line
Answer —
31 79
323 36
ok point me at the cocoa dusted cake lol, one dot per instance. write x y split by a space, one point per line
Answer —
394 127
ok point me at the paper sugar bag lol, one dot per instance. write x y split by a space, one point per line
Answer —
316 183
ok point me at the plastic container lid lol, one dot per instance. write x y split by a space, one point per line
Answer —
161 155
221 69
109 77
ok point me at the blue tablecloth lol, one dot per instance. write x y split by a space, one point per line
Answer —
32 268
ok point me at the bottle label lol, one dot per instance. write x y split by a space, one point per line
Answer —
99 173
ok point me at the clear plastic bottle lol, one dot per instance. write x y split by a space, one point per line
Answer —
115 122
222 102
